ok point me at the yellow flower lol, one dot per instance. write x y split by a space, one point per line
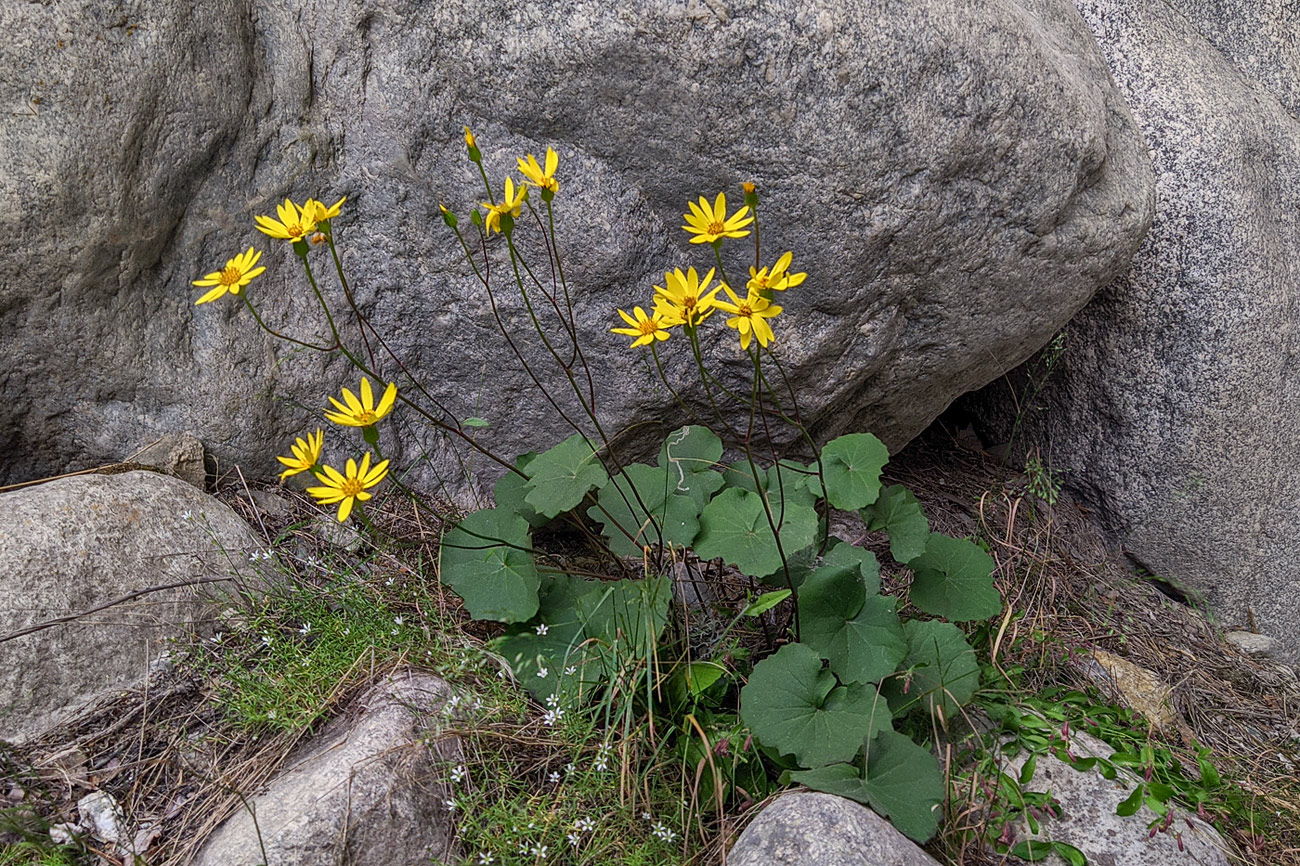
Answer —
645 328
542 179
318 212
237 273
751 317
469 139
363 412
295 224
686 299
778 279
511 205
306 454
710 222
350 487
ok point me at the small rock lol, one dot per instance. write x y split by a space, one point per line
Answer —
813 829
64 834
181 456
102 817
272 504
1254 644
341 535
1139 688
366 791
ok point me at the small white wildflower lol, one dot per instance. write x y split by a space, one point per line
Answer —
347 631
389 582
549 718
552 700
399 621
662 831
553 777
568 769
542 629
477 704
523 847
600 765
306 628
539 851
646 816
584 825
570 670
252 557
574 839
216 638
266 640
266 554
187 515
450 804
485 858
271 714
454 702
541 673
458 773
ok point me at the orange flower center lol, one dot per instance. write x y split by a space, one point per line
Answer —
648 327
351 486
744 310
230 276
716 228
367 418
297 230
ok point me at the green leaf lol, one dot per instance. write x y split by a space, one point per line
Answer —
794 706
735 528
1027 771
690 456
475 422
859 634
1070 854
1032 850
561 477
699 676
481 561
902 782
851 467
1132 803
540 651
944 671
644 509
510 491
766 602
899 513
954 579
626 617
786 481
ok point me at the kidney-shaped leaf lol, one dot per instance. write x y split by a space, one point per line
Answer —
482 561
954 579
735 528
899 513
942 668
636 509
902 782
851 468
794 706
859 634
560 478
690 456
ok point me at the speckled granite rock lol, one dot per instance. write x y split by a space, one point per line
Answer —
366 791
1173 406
76 543
814 829
957 178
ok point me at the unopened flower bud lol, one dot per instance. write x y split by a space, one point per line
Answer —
318 238
751 194
447 216
472 145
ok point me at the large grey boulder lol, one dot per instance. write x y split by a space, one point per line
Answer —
812 829
1173 405
958 179
366 791
75 544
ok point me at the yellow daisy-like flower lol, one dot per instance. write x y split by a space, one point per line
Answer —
710 222
750 317
362 412
645 328
469 139
237 273
295 224
318 212
542 178
349 487
511 204
777 279
306 454
686 298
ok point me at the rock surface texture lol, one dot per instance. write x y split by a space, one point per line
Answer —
812 829
77 543
365 791
958 180
1090 824
1173 405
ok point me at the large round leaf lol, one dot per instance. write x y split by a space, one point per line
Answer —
902 782
794 706
851 468
859 634
560 478
735 528
941 670
954 579
485 559
690 456
638 508
899 513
